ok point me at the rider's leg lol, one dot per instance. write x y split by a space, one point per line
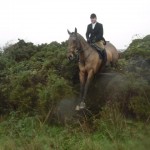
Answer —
102 46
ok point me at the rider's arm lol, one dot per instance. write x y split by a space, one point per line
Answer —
99 36
87 32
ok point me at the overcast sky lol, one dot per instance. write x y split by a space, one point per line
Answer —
43 21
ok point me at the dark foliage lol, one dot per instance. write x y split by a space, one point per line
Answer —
34 79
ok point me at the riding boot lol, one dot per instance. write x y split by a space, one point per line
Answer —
104 56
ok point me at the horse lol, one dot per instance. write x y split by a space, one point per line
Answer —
90 62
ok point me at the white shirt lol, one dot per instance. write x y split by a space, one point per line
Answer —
93 25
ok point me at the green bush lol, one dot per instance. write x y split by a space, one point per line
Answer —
139 47
35 78
20 51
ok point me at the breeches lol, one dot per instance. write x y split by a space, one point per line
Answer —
100 44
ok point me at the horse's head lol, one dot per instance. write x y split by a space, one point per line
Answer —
73 44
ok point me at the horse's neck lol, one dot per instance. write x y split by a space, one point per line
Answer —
85 48
84 44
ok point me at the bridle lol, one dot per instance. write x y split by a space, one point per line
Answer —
79 49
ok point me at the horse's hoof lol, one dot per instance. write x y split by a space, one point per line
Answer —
82 105
77 108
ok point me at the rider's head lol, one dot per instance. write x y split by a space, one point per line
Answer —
93 18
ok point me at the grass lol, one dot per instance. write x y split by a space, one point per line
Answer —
27 133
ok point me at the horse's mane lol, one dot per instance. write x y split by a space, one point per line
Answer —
81 37
82 40
84 43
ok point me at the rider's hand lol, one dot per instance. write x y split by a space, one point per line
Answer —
93 41
88 40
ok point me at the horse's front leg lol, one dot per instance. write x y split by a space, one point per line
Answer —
82 85
87 83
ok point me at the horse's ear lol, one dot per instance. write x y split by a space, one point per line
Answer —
75 30
69 32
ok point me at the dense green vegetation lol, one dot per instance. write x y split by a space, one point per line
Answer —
33 78
29 133
33 81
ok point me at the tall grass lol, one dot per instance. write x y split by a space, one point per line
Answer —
109 132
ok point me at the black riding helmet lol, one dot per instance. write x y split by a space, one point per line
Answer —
93 16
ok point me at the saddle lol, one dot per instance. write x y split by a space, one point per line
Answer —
102 53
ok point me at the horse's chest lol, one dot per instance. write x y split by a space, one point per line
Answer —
84 67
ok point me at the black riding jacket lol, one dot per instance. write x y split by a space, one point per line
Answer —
96 34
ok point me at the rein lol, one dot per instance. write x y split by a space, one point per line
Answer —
80 50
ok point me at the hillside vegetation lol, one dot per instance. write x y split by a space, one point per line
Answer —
34 81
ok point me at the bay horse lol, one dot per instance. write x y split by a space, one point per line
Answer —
90 62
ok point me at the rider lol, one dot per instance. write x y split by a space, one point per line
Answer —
94 34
